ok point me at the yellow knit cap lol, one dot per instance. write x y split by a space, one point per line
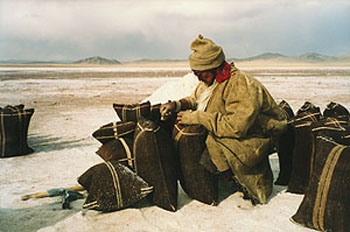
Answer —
206 54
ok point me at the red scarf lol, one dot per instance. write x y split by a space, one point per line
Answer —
223 73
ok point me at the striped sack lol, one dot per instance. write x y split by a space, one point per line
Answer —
120 150
335 128
132 112
14 123
112 186
338 128
326 204
156 163
299 177
195 180
115 130
336 110
285 147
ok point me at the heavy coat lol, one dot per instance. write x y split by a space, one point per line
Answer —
243 121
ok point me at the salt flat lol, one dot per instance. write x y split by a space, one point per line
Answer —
70 105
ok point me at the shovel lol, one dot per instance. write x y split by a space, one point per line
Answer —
68 195
51 192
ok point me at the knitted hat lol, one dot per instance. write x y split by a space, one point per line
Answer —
206 54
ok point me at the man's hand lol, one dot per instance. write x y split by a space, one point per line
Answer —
167 109
179 116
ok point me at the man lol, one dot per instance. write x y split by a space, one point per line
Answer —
242 118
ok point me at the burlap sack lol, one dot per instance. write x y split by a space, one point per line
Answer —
12 109
285 147
115 130
302 151
112 186
120 150
156 162
287 109
132 112
309 108
326 204
336 110
195 180
14 123
337 128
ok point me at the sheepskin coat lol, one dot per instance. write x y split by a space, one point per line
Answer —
243 121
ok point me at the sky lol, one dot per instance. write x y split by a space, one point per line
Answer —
129 30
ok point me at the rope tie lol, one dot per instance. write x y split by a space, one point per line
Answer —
324 185
138 112
128 152
115 130
124 113
116 183
309 115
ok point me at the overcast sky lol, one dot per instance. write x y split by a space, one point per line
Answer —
135 29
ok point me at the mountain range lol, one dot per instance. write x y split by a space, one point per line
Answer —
97 60
273 57
306 57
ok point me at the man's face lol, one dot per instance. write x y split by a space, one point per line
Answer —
207 76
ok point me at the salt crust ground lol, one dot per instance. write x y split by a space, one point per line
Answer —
68 110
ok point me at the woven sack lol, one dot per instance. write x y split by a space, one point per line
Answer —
336 110
309 108
132 112
112 186
14 123
12 109
337 128
115 130
285 147
156 163
287 109
326 204
120 150
302 151
195 180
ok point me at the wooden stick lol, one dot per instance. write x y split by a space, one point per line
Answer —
45 194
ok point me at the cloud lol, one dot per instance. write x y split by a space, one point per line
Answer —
164 29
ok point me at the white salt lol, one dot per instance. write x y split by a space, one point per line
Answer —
174 90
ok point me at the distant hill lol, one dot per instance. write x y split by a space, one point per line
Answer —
306 57
315 57
266 57
343 58
97 60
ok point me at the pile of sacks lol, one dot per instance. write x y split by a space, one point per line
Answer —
146 157
314 157
14 123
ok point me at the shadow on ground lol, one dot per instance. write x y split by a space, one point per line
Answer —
226 188
33 219
47 143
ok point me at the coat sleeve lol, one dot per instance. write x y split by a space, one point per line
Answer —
243 100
